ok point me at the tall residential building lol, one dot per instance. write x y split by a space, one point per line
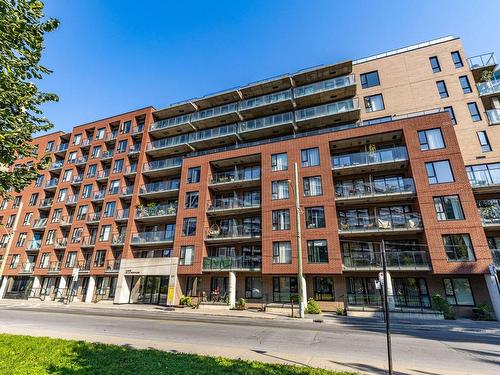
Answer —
198 199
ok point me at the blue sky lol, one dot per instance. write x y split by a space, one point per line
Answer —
112 56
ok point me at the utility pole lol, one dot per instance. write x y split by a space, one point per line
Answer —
386 310
300 276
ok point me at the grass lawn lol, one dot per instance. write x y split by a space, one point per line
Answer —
42 355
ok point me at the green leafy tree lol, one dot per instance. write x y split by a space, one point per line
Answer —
22 29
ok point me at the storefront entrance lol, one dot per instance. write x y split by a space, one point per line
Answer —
153 290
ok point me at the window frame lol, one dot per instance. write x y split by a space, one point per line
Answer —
364 78
441 215
435 175
437 68
425 133
442 89
369 107
454 294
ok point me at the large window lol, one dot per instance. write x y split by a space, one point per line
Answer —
186 256
457 59
105 233
323 288
442 90
452 114
317 251
464 82
474 111
458 247
281 219
436 68
431 139
189 226
448 208
86 191
191 199
315 217
194 175
458 292
100 257
253 287
484 174
310 157
484 141
374 103
313 186
282 252
279 189
279 162
109 209
439 172
369 79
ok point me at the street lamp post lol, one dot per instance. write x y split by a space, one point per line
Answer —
300 276
386 310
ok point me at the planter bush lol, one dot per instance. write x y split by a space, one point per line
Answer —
441 304
312 307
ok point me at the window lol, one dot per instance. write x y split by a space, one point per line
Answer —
194 175
91 171
100 133
49 240
464 82
192 285
431 139
67 175
189 226
96 152
484 174
114 187
86 191
109 209
125 127
279 189
82 212
439 172
72 157
10 221
77 235
253 287
17 202
61 196
21 239
457 59
186 256
5 203
458 292
105 233
279 162
192 198
39 181
282 252
122 146
70 259
14 261
27 218
436 68
374 103
458 247
448 208
452 114
323 288
118 166
44 261
281 219
443 92
77 139
100 257
484 141
4 240
474 111
310 157
369 79
312 186
33 199
317 251
56 215
315 217
50 146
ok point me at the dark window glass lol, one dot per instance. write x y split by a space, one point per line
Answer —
464 82
439 172
458 247
317 251
458 292
436 68
194 175
315 217
484 141
189 226
443 92
457 59
474 111
369 80
452 114
448 208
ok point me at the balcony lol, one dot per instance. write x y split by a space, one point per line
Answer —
386 159
131 170
34 245
495 253
71 200
86 143
84 266
161 189
81 161
61 149
325 91
237 233
152 238
168 146
138 131
66 221
107 155
328 114
102 175
88 242
61 243
98 196
127 192
51 185
27 267
484 178
234 263
134 150
235 179
478 64
374 192
55 267
493 116
395 260
214 137
40 224
118 239
231 206
394 224
164 167
112 266
266 126
111 137
46 204
56 166
221 115
150 213
262 105
93 218
77 180
122 215
171 126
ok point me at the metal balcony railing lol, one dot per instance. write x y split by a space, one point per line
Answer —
231 203
260 101
139 129
122 214
265 122
212 133
34 245
112 265
81 160
40 223
99 195
52 183
118 239
61 243
170 122
66 220
88 241
107 155
322 86
84 265
235 176
404 221
46 203
101 175
372 189
86 142
127 191
152 237
222 263
93 217
134 149
481 61
156 187
27 267
56 165
236 231
111 136
489 87
159 210
168 142
72 199
386 155
493 116
55 266
327 109
162 164
62 147
394 260
214 112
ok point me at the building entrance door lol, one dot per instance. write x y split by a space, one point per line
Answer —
153 290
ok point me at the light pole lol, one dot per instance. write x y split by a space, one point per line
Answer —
300 276
386 310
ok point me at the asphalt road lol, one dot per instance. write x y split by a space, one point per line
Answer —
423 348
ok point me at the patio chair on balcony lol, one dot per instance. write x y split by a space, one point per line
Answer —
384 224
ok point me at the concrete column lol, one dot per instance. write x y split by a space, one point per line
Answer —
37 284
3 286
90 289
172 298
122 294
390 292
494 292
232 289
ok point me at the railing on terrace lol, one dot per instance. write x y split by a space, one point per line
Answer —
138 129
386 155
107 155
118 239
89 241
330 84
127 190
170 122
40 223
123 214
94 217
327 109
220 263
394 259
265 122
81 160
55 266
408 221
99 195
112 265
168 142
102 174
84 265
375 188
152 237
27 267
47 202
62 147
72 199
481 61
260 101
231 203
52 183
134 149
155 187
214 112
213 133
61 243
162 164
158 210
56 165
34 245
234 176
236 231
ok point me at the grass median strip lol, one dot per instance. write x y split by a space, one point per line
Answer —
43 355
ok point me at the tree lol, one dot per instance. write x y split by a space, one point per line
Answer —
22 29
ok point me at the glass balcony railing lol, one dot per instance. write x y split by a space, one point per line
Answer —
162 164
154 211
46 203
232 203
77 179
327 109
34 245
134 149
484 175
52 183
489 87
481 61
330 84
118 239
81 160
126 191
156 187
55 266
495 253
72 199
212 133
99 195
394 222
61 243
375 188
493 116
101 175
235 176
62 147
86 142
56 165
152 237
170 122
84 265
265 122
386 155
93 217
131 169
112 265
111 136
222 263
107 155
123 214
40 223
265 100
27 267
66 221
214 112
237 231
394 259
88 241
168 142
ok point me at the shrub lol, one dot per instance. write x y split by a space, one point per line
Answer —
341 311
312 307
482 312
240 304
441 304
186 301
